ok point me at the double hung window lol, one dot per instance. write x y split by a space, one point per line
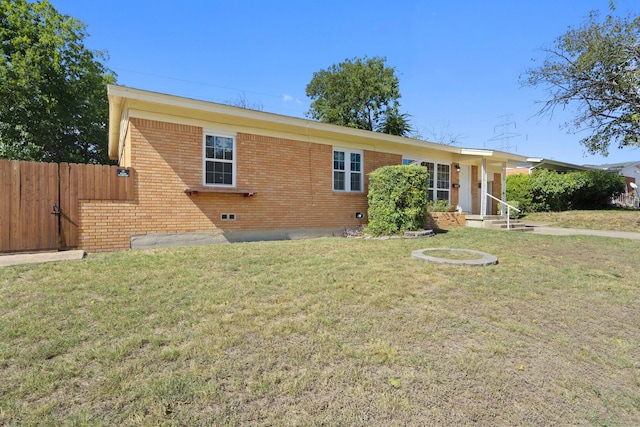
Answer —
347 170
439 180
219 159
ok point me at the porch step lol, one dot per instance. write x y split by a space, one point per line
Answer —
512 225
496 222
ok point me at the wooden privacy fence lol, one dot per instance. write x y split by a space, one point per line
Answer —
39 202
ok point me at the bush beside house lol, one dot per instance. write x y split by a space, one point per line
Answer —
397 199
552 191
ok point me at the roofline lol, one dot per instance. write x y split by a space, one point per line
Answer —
118 96
542 161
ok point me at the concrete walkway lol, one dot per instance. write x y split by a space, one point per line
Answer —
14 259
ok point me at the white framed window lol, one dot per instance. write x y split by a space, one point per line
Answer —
219 159
347 170
439 180
443 182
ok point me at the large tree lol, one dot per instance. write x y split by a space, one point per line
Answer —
596 67
53 103
361 93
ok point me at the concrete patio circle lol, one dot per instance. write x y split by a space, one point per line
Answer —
478 258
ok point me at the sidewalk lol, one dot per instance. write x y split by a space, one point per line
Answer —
558 231
14 259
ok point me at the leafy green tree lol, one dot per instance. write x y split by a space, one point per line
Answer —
53 101
597 68
395 123
360 93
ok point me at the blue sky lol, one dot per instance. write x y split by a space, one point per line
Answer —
458 62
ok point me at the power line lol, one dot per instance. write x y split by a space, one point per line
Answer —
505 134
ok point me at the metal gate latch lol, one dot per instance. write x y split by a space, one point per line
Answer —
56 210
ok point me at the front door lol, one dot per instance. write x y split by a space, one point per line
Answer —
464 194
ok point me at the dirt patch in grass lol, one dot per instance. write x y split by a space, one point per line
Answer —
327 332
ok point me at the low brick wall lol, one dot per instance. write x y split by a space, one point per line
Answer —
444 220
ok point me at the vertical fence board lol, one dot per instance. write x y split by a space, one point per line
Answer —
90 183
26 195
14 232
65 196
53 192
113 183
129 186
74 208
39 209
81 183
5 207
54 188
39 220
72 216
101 190
111 191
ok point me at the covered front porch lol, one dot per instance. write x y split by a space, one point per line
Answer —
482 182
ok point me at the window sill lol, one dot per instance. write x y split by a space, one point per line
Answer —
193 191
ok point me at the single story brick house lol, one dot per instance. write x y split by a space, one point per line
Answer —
206 172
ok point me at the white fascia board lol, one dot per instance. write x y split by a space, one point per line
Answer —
498 155
476 152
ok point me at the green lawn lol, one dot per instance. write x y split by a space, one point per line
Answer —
327 332
612 219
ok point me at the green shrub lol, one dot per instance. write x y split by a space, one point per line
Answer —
550 191
514 214
519 189
544 190
397 199
596 189
438 206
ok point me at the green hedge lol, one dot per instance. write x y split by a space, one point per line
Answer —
552 191
397 199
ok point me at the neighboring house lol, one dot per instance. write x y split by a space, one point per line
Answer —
629 170
534 163
207 172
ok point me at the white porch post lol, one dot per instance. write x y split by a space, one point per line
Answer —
503 189
483 189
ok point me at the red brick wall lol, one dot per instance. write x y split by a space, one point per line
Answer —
292 181
444 220
475 190
497 193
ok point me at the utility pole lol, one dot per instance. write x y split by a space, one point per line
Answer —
504 133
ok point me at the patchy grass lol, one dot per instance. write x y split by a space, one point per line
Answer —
327 332
613 219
